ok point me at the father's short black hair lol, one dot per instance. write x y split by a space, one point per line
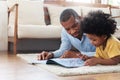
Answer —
67 13
98 23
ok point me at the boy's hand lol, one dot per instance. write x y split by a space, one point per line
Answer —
84 57
91 62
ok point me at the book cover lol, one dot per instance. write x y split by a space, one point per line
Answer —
65 62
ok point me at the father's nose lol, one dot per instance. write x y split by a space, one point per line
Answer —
72 31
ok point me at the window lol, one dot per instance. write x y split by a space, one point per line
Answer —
114 2
111 2
83 1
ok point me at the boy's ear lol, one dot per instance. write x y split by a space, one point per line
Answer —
105 37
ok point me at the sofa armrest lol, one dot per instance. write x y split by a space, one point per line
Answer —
15 6
116 17
12 8
15 37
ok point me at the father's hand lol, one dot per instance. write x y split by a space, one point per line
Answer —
45 55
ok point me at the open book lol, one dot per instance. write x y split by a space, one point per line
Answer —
65 62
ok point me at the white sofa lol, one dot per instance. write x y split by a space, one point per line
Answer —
29 21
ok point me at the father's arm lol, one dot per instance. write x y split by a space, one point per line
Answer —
65 44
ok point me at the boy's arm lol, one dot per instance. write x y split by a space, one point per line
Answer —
65 44
116 59
94 61
112 61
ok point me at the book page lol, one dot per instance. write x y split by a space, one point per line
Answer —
38 61
67 62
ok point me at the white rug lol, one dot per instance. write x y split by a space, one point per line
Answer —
61 71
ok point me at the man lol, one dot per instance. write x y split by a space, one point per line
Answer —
71 35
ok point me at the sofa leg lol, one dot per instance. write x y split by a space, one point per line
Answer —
14 50
15 47
8 46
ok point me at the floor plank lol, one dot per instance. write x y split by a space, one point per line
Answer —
14 68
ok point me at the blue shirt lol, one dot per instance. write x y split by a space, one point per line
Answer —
67 41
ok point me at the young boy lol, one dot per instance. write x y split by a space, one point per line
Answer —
99 28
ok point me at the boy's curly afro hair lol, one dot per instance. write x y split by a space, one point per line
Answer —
98 23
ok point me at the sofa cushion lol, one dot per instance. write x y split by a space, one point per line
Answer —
31 12
36 31
117 32
26 10
55 12
116 12
86 10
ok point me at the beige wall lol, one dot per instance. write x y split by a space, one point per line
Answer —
3 26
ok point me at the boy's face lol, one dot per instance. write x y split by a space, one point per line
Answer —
72 26
96 40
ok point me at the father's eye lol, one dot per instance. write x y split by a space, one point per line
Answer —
93 40
67 29
74 25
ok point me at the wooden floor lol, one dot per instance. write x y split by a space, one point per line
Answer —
14 68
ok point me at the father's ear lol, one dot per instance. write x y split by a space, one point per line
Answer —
80 17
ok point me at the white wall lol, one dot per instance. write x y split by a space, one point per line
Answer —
3 26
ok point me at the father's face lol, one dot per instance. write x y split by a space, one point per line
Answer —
72 26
